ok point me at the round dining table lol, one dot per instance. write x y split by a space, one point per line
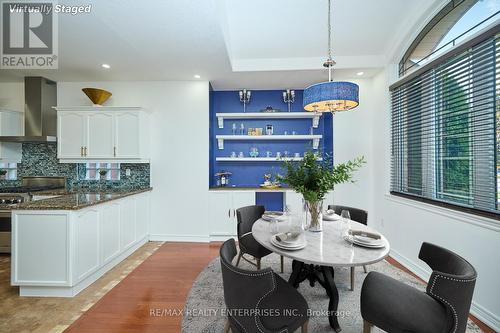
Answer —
324 251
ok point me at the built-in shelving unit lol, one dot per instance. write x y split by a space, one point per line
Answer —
315 138
269 115
259 159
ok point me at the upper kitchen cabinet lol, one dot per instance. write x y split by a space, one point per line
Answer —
117 134
11 124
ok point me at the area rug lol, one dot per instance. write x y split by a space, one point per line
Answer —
202 312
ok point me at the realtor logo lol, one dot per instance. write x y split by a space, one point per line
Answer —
29 39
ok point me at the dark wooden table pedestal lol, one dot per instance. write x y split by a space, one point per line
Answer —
324 276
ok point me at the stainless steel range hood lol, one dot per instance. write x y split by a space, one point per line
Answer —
40 119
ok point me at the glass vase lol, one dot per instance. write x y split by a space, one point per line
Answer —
315 215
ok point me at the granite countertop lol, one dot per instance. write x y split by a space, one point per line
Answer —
76 200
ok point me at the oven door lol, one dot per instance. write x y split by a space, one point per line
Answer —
5 231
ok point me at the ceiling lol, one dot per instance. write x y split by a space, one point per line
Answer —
258 44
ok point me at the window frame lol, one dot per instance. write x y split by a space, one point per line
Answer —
98 175
397 166
9 169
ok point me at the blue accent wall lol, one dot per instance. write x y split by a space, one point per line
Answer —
270 200
250 174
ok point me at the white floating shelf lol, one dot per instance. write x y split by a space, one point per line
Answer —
315 138
269 115
259 159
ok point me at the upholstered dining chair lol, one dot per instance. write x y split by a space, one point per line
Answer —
247 216
358 215
444 307
259 301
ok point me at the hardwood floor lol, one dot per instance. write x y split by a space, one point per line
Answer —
160 283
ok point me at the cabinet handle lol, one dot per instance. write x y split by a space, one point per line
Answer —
114 151
229 213
81 151
85 149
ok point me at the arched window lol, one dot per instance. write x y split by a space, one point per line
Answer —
455 22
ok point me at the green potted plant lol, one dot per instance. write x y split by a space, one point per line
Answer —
3 172
313 179
103 173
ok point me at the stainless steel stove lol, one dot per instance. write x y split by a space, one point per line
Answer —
10 197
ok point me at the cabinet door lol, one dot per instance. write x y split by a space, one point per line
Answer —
71 134
110 235
142 215
87 243
100 135
242 199
127 138
127 223
220 214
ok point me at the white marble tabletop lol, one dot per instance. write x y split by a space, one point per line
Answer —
325 248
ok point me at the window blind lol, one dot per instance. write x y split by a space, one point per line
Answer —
446 130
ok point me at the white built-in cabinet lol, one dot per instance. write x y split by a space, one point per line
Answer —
222 211
119 134
11 124
61 252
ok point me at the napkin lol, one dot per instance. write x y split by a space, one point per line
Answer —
365 234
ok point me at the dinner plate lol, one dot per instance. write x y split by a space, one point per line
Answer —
299 245
377 244
270 215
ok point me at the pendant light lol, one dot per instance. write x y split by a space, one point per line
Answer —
331 96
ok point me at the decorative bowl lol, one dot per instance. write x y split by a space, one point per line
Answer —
97 96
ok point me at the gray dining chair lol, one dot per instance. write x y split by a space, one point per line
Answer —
396 307
358 215
246 217
259 301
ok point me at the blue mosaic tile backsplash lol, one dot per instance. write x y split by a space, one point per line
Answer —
40 159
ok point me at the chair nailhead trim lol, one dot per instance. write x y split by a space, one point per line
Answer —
444 300
255 274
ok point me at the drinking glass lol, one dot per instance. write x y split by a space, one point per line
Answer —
273 226
346 225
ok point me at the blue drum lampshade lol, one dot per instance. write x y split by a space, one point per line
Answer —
331 97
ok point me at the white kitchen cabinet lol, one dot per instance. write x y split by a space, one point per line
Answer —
100 135
87 256
127 140
222 211
11 124
110 225
108 134
59 253
72 134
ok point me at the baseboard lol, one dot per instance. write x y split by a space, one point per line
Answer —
478 311
179 238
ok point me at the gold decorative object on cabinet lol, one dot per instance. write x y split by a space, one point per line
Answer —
97 96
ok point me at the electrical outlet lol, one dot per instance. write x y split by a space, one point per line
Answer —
127 172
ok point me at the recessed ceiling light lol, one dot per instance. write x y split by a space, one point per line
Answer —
196 76
360 73
106 66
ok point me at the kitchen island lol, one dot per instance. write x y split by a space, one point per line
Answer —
62 244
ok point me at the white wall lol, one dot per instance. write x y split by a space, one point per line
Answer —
179 149
407 223
12 96
352 135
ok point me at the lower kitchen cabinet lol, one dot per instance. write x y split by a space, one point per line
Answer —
61 252
222 212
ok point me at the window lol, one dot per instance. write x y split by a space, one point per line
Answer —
102 171
446 129
458 20
8 171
